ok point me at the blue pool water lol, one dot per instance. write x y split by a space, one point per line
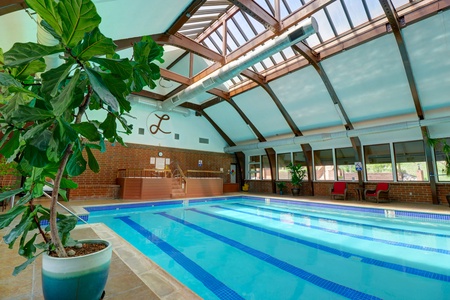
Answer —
257 248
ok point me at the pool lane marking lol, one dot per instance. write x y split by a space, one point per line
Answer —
353 235
345 254
340 221
307 276
216 286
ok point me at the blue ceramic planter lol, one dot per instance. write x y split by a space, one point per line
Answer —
76 278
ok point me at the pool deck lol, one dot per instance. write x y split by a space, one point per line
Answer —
132 275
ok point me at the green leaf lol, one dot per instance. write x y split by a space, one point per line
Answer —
29 249
22 72
53 78
48 11
101 90
120 68
88 130
11 145
118 88
64 100
156 51
94 43
92 161
109 126
22 267
67 184
8 80
36 130
24 53
66 133
17 231
78 17
7 218
27 114
76 164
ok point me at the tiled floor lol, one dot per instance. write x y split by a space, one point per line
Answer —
132 275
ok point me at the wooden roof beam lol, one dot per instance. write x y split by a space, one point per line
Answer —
253 9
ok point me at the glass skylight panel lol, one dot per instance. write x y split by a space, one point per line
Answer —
268 62
288 52
210 45
375 8
356 11
278 58
294 4
231 42
258 26
312 40
338 17
264 5
236 33
399 3
324 26
217 42
259 67
244 25
284 12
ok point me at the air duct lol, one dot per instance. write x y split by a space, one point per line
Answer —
157 105
289 38
336 135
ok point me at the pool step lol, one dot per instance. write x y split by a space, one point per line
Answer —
177 189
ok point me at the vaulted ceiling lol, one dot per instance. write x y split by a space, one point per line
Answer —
371 63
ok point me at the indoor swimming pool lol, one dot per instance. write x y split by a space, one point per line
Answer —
261 248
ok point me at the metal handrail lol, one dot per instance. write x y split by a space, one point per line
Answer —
68 210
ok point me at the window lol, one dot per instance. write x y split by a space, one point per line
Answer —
378 162
266 174
441 166
323 164
259 167
283 159
299 158
410 161
345 162
254 167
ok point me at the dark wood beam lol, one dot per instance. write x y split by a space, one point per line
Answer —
185 16
395 26
257 78
9 6
174 76
150 95
253 9
177 40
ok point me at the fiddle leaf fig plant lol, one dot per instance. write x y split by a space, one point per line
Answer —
54 118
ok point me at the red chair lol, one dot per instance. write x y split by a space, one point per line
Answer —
339 189
380 192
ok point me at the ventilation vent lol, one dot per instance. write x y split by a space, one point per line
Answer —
175 99
141 131
176 136
208 82
203 141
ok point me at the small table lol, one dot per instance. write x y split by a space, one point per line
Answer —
360 193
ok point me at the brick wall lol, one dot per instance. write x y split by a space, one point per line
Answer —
103 184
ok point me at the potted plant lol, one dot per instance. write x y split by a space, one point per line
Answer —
445 148
50 129
297 176
281 185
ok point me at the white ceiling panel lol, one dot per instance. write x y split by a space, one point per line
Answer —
17 27
370 80
144 17
226 117
306 99
428 45
257 103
